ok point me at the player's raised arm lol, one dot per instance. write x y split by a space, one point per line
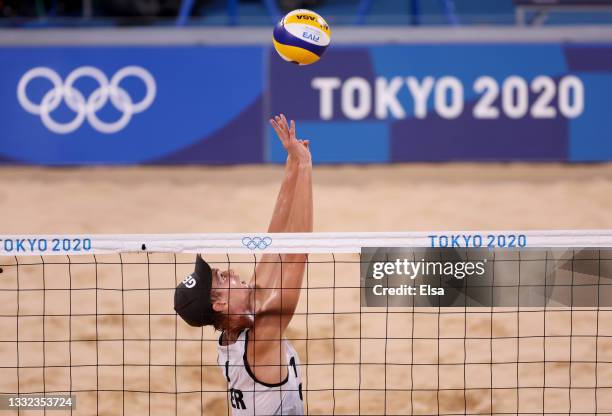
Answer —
288 215
280 216
299 162
278 277
293 213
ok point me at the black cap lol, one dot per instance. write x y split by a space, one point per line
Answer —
192 296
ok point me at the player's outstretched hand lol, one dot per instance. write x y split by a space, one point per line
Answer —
298 150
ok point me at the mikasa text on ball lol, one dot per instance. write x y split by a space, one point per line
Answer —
301 37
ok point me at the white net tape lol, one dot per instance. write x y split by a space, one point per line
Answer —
245 243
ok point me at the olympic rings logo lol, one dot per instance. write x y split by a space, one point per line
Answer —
86 107
256 242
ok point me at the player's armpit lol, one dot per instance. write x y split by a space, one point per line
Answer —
264 354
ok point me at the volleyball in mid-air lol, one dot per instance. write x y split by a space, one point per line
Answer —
301 37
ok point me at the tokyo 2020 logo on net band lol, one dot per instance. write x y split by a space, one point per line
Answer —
86 108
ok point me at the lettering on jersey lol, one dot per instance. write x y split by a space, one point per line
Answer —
227 371
236 399
300 390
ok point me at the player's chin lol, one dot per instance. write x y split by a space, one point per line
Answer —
244 299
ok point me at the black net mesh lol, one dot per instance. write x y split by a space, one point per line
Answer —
103 328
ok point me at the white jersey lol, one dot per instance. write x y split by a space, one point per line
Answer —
249 396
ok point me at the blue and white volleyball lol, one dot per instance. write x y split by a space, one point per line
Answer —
301 37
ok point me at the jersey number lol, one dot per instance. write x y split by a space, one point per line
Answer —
292 364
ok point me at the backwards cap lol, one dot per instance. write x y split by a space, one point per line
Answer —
192 296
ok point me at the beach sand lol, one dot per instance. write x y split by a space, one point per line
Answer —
358 359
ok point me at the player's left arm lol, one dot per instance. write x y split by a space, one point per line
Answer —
279 277
268 271
282 208
300 220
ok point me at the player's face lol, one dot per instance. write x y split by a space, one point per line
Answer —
235 293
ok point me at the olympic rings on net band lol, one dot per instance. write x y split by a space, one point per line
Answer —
256 242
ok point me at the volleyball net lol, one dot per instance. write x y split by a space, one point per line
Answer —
93 316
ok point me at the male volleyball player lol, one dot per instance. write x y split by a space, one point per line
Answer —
262 369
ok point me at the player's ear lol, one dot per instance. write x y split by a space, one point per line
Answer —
218 306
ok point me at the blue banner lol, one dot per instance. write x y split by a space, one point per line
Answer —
493 102
127 105
365 104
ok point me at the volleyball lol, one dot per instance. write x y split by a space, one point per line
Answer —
301 37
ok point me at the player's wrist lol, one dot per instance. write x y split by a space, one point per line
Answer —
291 160
305 164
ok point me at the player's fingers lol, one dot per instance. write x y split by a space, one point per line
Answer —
284 120
279 132
274 125
281 126
292 129
279 123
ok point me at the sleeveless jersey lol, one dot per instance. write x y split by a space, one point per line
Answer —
249 396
